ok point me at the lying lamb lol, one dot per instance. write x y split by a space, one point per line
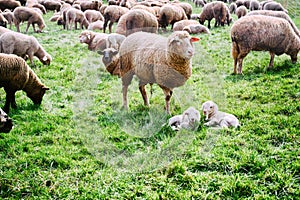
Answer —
95 41
189 119
5 122
17 75
217 118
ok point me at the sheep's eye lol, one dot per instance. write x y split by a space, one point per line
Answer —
210 107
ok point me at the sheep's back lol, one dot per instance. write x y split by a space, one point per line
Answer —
18 42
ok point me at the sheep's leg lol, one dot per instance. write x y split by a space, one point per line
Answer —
10 100
30 56
28 24
105 25
110 26
208 24
234 53
33 26
271 64
17 24
144 95
126 80
168 94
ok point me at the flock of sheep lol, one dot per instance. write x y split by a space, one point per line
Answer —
136 48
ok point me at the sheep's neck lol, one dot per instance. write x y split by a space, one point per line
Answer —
180 64
32 82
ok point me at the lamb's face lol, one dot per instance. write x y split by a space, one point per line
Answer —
191 115
208 108
5 122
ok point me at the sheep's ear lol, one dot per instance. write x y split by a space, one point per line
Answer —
115 52
45 58
45 88
175 39
194 39
100 52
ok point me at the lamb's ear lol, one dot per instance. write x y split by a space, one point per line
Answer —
194 39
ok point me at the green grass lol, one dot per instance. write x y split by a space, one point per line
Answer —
80 144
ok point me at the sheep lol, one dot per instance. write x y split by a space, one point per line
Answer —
95 41
3 21
93 15
199 3
74 15
274 6
9 16
241 11
114 40
51 5
112 14
263 3
111 60
189 119
280 14
263 33
90 5
156 59
195 16
254 5
232 7
32 17
6 123
143 7
23 45
97 25
40 7
9 4
178 26
102 9
239 3
137 20
196 29
186 7
169 14
17 75
218 118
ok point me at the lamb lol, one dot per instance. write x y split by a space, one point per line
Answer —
5 122
196 29
112 14
22 14
23 45
241 11
189 119
280 14
97 25
73 16
178 26
17 75
9 4
95 41
217 118
169 14
137 20
114 40
93 15
274 6
254 5
156 59
263 33
111 60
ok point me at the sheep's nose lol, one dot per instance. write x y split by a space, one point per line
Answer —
204 112
190 52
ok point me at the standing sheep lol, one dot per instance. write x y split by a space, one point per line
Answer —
9 16
17 75
9 4
93 15
232 8
112 14
5 122
241 11
274 6
263 33
22 14
156 59
73 16
23 45
254 5
217 118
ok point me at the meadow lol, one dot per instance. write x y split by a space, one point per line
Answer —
80 144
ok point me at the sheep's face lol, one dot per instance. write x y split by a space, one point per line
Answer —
191 115
36 95
109 56
46 60
85 38
5 122
209 108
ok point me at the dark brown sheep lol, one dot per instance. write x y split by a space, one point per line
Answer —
112 14
9 4
17 75
169 14
51 5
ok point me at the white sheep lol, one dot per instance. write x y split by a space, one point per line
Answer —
114 40
189 119
217 118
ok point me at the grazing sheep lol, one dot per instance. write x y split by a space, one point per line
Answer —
9 4
186 7
23 45
178 26
137 20
156 59
73 16
90 5
199 3
112 14
111 60
97 25
189 119
17 75
114 40
232 7
40 7
95 41
9 16
32 17
274 6
93 15
263 33
254 5
217 118
196 29
241 11
5 122
169 14
51 5
3 21
280 14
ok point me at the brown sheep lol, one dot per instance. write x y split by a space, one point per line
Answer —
97 25
102 9
95 41
6 123
199 3
17 75
156 59
232 8
9 16
73 16
51 5
32 17
23 45
241 11
40 7
137 20
90 5
3 21
254 5
143 7
169 14
93 15
186 7
9 4
178 26
263 33
112 14
274 6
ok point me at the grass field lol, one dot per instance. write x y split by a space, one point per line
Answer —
80 144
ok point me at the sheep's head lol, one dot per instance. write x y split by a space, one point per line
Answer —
191 115
37 93
85 37
46 59
110 56
5 122
209 108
